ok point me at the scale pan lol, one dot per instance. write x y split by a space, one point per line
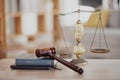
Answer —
100 50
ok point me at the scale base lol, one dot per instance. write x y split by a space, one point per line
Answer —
79 62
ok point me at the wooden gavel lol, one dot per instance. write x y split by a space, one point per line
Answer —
51 53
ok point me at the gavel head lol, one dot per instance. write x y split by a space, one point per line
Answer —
45 52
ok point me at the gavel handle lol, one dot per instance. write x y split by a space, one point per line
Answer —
68 64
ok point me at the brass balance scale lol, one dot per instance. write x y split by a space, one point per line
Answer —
79 49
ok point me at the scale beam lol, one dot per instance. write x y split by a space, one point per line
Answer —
77 11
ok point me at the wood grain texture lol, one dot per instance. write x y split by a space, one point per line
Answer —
56 4
2 30
18 26
2 24
96 69
41 23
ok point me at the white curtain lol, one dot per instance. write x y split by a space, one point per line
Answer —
29 21
29 5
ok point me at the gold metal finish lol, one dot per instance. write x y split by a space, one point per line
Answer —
101 31
79 49
100 50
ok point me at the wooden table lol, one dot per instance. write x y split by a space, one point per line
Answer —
96 69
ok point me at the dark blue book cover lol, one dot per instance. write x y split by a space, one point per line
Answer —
32 60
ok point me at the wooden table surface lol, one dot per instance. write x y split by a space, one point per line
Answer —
96 69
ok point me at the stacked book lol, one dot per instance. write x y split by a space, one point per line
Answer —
30 61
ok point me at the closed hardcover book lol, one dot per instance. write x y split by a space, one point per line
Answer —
29 67
31 60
